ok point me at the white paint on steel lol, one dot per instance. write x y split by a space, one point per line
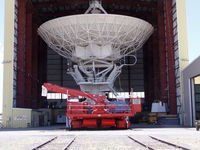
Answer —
95 36
96 43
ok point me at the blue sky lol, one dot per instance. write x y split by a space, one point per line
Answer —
193 28
193 24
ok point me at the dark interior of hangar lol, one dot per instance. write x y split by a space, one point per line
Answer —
153 74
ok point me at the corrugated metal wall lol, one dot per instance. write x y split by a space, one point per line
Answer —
57 70
131 77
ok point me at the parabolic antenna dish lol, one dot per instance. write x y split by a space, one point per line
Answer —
96 36
97 43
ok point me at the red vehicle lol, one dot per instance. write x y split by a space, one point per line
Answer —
89 110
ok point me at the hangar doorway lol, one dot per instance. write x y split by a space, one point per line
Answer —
196 97
157 74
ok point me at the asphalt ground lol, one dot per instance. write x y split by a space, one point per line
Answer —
108 139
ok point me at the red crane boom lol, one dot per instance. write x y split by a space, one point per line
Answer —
101 113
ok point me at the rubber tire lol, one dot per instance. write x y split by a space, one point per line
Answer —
197 128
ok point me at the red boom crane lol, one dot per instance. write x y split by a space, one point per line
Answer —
95 110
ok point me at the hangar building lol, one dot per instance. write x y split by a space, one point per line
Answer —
29 62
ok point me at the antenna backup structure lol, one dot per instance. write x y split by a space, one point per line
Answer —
96 42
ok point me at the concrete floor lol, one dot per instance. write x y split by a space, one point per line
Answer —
25 139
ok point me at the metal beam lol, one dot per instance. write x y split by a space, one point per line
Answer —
66 13
28 56
137 3
148 72
155 63
162 52
35 81
21 54
42 69
170 53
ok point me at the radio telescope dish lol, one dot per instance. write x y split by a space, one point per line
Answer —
95 42
103 36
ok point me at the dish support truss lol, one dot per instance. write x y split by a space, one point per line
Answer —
98 76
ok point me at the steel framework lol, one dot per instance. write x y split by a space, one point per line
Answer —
98 43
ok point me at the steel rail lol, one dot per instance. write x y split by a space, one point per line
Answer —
140 143
70 143
168 143
47 142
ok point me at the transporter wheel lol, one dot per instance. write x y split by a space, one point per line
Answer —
122 124
98 123
68 123
69 128
197 127
128 123
76 124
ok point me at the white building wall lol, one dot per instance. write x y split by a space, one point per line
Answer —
181 55
188 73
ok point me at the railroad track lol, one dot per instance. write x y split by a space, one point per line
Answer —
144 142
45 143
140 143
56 142
168 143
70 143
157 144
